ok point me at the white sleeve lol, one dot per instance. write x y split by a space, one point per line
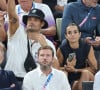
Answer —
65 83
96 85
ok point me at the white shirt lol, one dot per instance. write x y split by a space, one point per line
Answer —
61 2
35 80
17 51
45 8
96 85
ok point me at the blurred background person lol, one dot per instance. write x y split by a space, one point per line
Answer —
7 78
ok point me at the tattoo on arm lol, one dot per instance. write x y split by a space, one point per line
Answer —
13 20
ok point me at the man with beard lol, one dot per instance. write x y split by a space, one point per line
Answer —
45 77
18 38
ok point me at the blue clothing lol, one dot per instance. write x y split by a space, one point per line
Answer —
81 57
7 78
75 12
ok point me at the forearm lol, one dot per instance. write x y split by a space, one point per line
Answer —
13 18
11 8
2 32
50 31
3 5
87 68
59 8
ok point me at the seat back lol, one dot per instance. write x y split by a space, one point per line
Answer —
87 85
58 25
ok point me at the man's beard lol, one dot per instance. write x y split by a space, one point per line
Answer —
45 67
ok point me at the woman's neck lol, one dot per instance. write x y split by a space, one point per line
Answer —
74 45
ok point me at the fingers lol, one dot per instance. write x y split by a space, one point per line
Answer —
12 85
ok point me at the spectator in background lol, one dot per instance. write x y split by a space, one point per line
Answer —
19 36
82 64
24 7
57 6
86 14
7 78
45 77
96 85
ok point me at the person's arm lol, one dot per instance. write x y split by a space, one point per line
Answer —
12 81
50 31
2 29
66 19
59 8
96 85
60 59
92 61
13 18
3 5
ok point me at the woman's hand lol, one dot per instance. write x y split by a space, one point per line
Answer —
72 62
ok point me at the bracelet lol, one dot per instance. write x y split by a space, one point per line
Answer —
76 71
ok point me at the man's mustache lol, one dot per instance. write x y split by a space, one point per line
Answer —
30 29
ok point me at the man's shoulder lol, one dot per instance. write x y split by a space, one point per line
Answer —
98 74
58 72
32 73
74 4
98 9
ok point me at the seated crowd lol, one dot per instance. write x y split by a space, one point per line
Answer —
28 53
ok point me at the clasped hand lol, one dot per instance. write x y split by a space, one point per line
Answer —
70 66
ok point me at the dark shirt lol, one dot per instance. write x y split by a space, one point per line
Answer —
81 57
81 53
75 12
8 78
71 1
51 4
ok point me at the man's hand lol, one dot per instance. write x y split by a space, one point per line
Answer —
12 85
37 37
95 42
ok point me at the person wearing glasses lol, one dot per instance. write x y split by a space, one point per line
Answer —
76 58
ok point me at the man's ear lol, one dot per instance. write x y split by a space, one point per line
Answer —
42 23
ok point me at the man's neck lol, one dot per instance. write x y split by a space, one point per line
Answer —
74 45
47 72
